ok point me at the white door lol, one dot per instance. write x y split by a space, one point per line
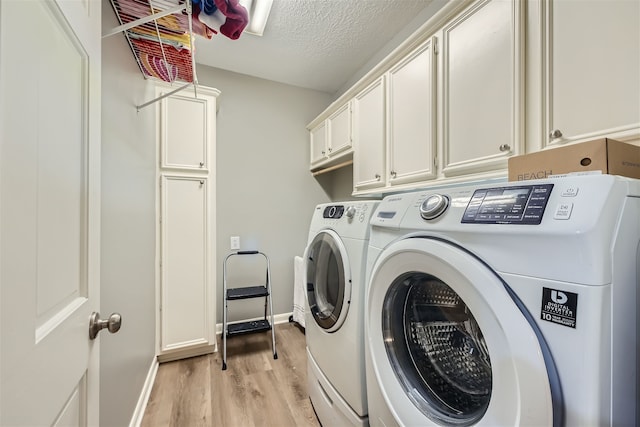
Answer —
49 211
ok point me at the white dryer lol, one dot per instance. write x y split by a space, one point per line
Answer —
335 261
510 304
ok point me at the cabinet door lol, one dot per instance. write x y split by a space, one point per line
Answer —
412 117
185 129
339 130
369 137
185 291
482 87
319 143
593 68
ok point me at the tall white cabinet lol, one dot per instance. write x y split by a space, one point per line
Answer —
186 223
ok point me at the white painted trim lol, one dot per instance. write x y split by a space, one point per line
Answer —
141 406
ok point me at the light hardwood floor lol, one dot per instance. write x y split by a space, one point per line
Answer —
255 390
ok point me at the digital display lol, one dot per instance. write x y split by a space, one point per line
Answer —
508 205
386 215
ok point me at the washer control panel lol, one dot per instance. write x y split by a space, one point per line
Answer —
434 206
524 204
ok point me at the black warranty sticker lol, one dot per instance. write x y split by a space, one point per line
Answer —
559 307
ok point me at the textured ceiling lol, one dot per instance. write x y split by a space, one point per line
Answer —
316 44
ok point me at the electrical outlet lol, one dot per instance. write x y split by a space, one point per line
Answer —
235 243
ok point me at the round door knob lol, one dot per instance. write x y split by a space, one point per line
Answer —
112 324
504 147
555 134
393 174
377 177
201 164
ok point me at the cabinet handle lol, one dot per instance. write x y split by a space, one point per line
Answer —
555 134
323 152
201 164
201 182
504 147
377 177
330 150
393 174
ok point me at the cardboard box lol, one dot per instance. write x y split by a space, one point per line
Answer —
606 155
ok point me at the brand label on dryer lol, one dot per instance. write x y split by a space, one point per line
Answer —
559 307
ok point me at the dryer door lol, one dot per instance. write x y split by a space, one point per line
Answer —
328 280
450 346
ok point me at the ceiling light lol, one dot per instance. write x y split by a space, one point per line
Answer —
258 14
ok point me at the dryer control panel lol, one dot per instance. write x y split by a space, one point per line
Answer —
334 211
524 204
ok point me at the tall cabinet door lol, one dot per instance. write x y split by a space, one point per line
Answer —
184 263
186 224
588 93
482 99
412 112
369 139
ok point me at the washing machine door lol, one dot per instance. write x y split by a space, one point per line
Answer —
449 344
328 280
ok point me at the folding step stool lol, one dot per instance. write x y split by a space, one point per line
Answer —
246 292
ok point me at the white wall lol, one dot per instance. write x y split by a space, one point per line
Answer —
128 231
265 192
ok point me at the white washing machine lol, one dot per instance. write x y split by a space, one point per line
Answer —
511 304
335 262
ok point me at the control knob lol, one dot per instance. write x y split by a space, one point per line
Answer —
351 211
434 206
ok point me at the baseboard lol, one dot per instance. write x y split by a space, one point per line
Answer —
277 319
186 353
138 413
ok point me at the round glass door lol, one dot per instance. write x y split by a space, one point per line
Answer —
450 343
443 355
328 280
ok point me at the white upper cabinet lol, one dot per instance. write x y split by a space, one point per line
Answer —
589 54
411 117
449 103
319 143
339 131
331 138
185 130
482 87
369 137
